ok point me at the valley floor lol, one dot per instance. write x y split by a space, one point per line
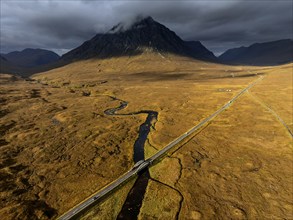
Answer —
58 147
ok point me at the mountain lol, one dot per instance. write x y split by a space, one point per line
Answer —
2 58
6 66
143 35
31 57
269 53
197 50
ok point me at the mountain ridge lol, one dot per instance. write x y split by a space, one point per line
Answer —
145 35
267 53
31 57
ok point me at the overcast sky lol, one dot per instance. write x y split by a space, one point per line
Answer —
61 25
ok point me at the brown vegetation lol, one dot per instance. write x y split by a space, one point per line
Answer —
58 146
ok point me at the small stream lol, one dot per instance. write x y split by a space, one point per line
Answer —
133 202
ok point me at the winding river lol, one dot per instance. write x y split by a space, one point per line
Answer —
133 202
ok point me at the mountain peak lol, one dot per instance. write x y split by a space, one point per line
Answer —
134 37
138 22
144 20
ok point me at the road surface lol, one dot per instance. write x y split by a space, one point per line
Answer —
144 164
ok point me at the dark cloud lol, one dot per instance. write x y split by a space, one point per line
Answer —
219 24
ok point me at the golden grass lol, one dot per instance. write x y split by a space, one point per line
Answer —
240 165
111 206
58 147
276 90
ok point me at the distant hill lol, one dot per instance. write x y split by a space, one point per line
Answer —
263 54
143 35
5 66
8 67
3 58
31 57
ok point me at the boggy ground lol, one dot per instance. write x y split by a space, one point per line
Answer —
239 166
58 146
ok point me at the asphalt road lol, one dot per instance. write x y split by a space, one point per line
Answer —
141 165
100 194
203 122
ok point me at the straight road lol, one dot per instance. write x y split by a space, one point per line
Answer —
142 165
203 122
100 194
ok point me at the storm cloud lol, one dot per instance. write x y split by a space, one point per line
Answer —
218 24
